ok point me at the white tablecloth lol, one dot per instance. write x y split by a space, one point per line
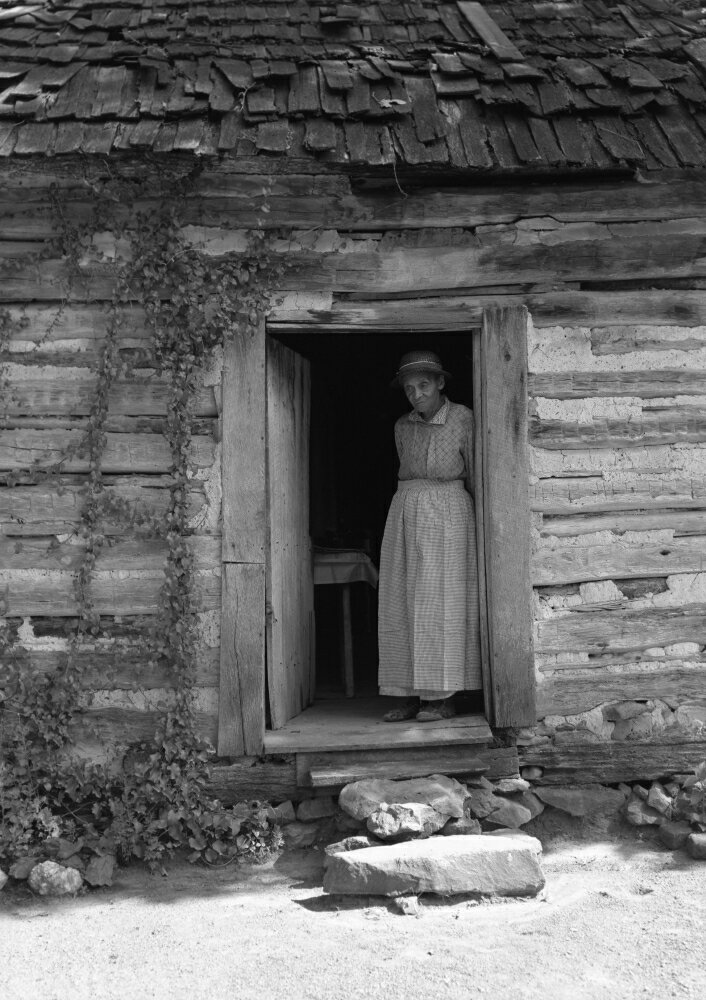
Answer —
343 566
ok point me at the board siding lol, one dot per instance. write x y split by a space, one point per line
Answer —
507 516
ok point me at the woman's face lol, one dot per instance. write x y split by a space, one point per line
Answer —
423 391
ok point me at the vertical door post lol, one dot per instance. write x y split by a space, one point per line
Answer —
506 514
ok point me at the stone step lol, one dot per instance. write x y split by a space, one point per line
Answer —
504 863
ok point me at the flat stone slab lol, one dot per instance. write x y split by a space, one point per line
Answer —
489 865
581 800
362 798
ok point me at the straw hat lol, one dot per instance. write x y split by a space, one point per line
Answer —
419 361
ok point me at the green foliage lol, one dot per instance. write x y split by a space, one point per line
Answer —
155 799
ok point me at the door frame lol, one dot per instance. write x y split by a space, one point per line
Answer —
502 503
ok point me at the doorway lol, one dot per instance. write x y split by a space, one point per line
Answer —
352 474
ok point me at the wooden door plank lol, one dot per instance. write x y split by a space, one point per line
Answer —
506 514
241 712
243 455
290 595
241 701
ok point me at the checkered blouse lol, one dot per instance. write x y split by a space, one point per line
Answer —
439 448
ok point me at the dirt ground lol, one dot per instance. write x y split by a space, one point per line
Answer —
620 918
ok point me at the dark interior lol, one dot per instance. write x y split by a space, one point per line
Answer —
353 471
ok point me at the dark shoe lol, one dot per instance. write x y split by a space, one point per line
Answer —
406 709
435 711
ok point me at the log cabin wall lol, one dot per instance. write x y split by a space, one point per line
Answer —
611 270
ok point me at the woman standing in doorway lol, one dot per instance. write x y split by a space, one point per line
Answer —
428 629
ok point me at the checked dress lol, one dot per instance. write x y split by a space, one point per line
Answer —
428 631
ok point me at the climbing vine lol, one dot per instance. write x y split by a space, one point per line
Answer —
53 804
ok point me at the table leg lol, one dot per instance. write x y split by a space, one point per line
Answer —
347 641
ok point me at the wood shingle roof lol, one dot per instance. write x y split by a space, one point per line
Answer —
586 84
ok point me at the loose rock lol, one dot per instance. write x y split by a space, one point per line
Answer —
465 826
659 800
313 809
350 844
298 835
640 814
696 846
479 781
490 866
21 869
50 879
404 821
409 905
581 800
100 870
674 834
508 786
481 802
282 814
445 795
530 801
510 814
532 773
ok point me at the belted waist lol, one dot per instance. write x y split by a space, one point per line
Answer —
430 484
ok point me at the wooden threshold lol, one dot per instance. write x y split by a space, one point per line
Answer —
356 724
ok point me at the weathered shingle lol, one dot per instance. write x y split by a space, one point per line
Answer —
479 86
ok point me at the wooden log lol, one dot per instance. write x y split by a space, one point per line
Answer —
117 728
123 452
621 631
674 255
57 322
406 763
569 695
56 509
272 779
642 384
623 560
300 199
51 393
123 556
611 763
51 593
592 494
676 425
624 340
506 512
120 666
457 311
679 521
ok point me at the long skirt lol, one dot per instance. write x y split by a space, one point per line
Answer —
428 631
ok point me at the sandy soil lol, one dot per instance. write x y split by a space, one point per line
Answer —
621 918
